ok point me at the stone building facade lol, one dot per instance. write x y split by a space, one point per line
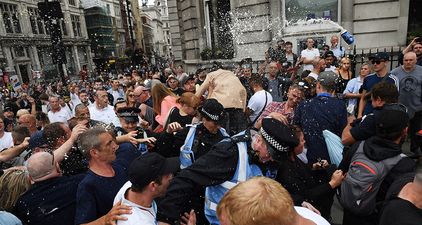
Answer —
25 42
160 28
254 25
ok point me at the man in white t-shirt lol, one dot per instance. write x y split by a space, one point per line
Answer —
149 177
57 113
101 110
261 200
6 140
308 55
259 100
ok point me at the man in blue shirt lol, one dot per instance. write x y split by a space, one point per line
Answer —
323 112
108 166
379 62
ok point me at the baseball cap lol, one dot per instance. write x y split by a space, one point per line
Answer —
328 79
186 78
380 56
37 140
328 54
148 167
392 118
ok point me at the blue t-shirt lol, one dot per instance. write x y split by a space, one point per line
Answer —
318 114
370 81
96 193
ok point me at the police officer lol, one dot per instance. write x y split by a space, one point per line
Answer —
191 143
129 130
229 162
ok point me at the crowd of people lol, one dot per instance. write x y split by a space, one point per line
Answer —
221 146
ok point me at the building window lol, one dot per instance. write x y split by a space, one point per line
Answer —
83 57
37 24
72 2
117 11
311 9
10 18
76 25
63 27
108 9
19 51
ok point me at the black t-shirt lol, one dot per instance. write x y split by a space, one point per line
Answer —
178 91
401 212
364 128
176 117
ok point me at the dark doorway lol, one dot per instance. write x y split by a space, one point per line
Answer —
23 68
414 28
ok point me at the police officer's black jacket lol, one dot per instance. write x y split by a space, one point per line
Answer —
215 167
168 145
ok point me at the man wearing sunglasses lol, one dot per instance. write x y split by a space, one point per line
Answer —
379 62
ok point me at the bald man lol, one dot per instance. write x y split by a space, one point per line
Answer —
410 95
29 121
51 199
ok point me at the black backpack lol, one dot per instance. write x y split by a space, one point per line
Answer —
363 180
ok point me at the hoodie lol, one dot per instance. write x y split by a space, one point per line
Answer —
378 149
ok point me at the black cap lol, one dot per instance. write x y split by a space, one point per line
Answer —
392 118
130 114
186 78
7 109
148 167
37 140
212 109
328 54
280 138
380 56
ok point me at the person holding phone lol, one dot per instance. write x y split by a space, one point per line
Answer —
414 46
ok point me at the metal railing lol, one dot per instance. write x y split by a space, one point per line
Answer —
360 56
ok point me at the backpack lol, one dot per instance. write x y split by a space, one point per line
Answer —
360 187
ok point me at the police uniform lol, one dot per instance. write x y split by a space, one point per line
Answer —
130 114
227 163
191 143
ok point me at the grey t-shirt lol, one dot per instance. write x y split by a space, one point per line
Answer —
410 88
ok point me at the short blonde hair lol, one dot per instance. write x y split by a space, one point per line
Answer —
13 184
259 200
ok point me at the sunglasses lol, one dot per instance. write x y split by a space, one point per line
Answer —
377 61
131 96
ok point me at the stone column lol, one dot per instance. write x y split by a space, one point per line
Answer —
34 58
403 22
175 30
347 14
76 57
